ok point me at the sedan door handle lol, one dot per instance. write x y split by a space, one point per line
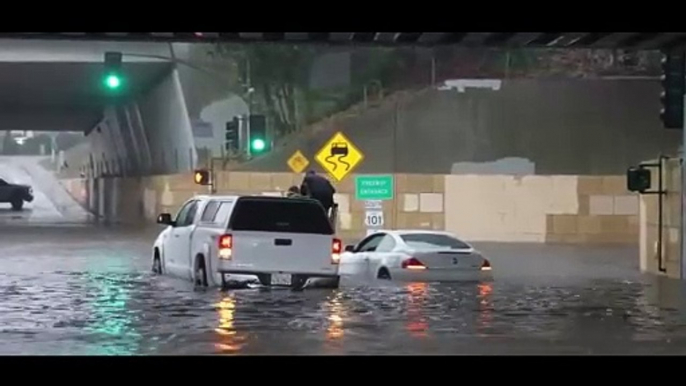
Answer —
176 236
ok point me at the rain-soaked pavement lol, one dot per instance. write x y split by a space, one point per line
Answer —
89 290
71 288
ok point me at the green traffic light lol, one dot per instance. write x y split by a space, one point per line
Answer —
258 145
112 81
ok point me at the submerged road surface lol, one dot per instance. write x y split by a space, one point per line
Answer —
89 290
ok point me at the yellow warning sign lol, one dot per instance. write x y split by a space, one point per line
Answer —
339 156
298 162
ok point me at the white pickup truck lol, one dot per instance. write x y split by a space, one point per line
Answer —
217 240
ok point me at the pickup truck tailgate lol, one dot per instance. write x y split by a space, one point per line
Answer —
282 252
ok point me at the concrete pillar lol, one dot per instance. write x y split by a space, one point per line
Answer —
90 197
101 199
95 196
114 199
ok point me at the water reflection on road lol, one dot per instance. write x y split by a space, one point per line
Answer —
88 292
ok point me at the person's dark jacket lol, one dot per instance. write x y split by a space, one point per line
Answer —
318 188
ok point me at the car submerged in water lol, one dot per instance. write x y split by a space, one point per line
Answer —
414 256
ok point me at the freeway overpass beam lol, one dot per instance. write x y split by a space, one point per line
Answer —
49 119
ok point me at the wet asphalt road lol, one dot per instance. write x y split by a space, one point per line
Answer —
89 290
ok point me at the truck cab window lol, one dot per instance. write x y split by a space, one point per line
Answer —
210 211
187 214
223 212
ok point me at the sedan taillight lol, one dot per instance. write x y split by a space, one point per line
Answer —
413 263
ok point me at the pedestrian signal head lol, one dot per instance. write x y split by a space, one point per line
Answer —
638 179
201 177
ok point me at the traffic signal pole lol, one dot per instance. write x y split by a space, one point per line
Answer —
683 195
212 186
247 123
673 116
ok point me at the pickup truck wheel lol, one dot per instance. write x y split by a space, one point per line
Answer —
157 264
200 273
264 279
17 204
298 282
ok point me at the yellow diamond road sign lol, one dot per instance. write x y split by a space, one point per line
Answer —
339 156
298 162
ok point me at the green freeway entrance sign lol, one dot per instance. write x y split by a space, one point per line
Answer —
379 187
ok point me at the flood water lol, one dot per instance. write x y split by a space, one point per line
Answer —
89 290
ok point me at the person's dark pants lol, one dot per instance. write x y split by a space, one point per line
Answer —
326 204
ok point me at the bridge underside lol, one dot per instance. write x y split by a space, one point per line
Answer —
611 40
63 96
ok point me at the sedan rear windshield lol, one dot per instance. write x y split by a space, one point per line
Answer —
433 241
280 215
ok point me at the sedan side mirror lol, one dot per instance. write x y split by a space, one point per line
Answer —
350 248
165 219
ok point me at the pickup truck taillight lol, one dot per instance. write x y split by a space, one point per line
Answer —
336 249
225 246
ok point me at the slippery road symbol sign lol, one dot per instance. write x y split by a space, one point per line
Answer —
298 162
339 156
340 150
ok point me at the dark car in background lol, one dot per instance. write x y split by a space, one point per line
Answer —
15 194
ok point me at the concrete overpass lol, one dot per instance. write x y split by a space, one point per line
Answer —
56 86
610 40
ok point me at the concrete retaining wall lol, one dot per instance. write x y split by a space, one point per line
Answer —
542 209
